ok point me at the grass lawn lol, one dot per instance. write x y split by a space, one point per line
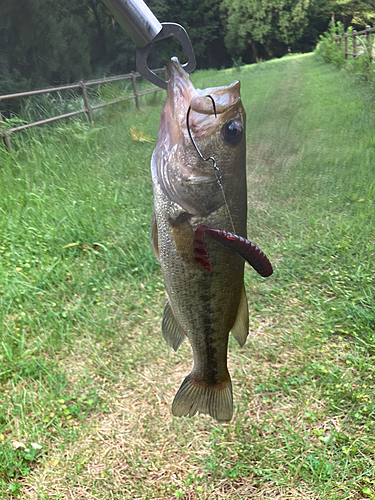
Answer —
86 380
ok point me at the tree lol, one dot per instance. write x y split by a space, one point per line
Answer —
200 18
263 28
357 12
319 15
43 41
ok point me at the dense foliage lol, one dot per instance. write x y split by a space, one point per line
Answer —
329 49
47 42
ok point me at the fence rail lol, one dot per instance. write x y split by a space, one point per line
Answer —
366 32
88 109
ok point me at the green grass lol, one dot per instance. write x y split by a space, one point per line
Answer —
84 371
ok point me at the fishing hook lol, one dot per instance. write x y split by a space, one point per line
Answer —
191 137
215 167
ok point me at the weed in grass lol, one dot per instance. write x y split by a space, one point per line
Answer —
16 461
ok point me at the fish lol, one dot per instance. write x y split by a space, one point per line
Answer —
199 232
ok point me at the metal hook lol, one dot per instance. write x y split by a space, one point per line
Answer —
191 137
215 167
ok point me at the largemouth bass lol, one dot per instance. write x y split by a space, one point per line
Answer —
199 235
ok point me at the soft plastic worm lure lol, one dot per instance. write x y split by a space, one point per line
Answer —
247 250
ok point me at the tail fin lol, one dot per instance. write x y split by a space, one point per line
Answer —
194 396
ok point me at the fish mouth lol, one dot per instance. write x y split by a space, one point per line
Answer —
182 93
206 105
179 87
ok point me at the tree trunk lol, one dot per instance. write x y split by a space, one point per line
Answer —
255 50
101 35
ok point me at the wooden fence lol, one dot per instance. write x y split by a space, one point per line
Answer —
366 33
88 109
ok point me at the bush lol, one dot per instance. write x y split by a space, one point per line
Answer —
327 47
363 64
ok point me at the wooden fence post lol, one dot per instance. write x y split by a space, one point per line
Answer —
82 84
135 90
346 45
368 39
368 34
340 44
354 43
5 137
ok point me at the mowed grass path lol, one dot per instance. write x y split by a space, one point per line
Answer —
86 380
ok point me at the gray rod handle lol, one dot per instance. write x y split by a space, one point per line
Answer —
136 19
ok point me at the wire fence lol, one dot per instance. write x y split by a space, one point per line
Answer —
88 108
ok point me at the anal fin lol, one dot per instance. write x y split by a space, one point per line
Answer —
172 332
240 328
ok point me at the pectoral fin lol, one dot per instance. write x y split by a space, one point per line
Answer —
154 237
182 235
172 332
240 328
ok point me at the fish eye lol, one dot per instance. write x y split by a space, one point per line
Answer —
232 131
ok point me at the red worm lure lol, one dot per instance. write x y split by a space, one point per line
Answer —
247 250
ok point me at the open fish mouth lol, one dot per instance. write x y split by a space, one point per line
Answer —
182 95
180 89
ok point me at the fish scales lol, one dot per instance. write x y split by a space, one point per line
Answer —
202 305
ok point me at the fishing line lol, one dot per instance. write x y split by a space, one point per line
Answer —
214 165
